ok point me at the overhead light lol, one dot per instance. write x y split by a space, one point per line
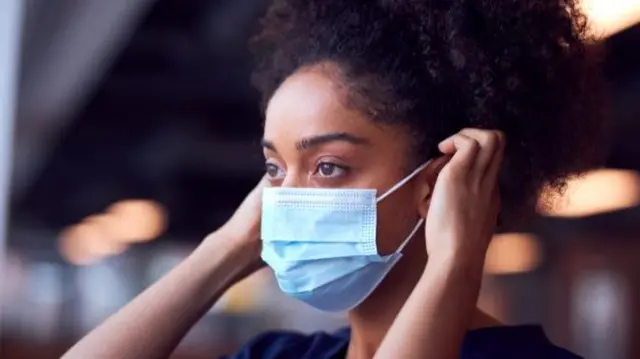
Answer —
108 234
137 220
596 192
608 17
87 243
512 253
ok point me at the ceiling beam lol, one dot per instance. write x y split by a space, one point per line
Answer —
67 47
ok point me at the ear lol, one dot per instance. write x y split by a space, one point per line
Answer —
427 183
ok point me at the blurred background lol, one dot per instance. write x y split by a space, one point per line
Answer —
129 130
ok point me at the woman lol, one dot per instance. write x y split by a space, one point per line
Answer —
379 116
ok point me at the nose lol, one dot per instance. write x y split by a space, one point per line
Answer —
294 179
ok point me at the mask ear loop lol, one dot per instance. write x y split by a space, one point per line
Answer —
403 181
393 189
413 233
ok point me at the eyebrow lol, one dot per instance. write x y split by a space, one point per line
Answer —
313 141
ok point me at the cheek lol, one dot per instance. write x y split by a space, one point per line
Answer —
396 219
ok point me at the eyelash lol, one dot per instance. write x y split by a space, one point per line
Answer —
269 166
317 171
335 166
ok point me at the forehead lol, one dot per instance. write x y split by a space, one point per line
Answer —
310 101
313 101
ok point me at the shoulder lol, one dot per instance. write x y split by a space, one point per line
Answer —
288 344
525 342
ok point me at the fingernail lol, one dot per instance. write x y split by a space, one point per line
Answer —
443 141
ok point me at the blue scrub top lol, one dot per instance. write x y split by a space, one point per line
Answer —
508 342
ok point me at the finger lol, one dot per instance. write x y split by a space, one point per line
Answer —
435 167
264 182
447 146
254 197
438 164
493 173
489 143
463 150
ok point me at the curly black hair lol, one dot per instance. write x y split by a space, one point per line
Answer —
525 67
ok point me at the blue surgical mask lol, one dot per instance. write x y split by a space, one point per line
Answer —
321 243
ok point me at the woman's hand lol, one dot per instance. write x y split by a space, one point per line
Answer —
245 222
466 200
461 219
243 229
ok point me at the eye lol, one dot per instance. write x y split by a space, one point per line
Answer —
327 169
273 171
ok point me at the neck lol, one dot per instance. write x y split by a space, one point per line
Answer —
371 320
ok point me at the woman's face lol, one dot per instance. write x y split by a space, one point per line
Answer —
312 139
